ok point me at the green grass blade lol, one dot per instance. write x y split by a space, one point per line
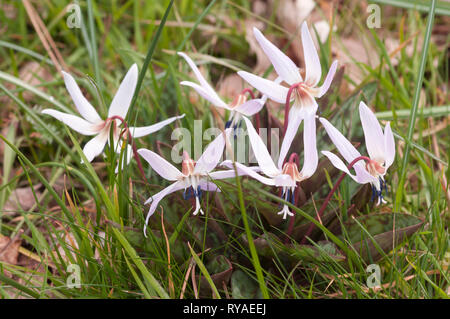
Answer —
149 56
251 244
415 105
421 5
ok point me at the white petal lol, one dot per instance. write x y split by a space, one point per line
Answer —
262 155
83 106
326 84
295 118
212 154
361 177
74 122
312 62
347 150
282 64
229 164
389 143
213 98
146 130
222 174
160 165
251 171
95 146
121 101
208 186
155 199
203 83
284 180
250 107
310 147
273 90
338 163
373 133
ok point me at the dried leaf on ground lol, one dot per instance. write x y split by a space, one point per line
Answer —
9 250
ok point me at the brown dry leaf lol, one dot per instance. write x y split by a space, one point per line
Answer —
9 251
230 87
22 198
356 49
34 74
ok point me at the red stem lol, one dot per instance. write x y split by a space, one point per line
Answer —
288 105
133 145
333 190
249 91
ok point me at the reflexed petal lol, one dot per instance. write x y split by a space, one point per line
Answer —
203 83
229 164
250 107
155 199
95 146
208 186
74 122
312 62
373 133
310 147
160 165
121 101
223 174
262 155
213 98
338 163
295 118
146 130
273 90
389 143
326 84
251 171
282 64
83 106
212 154
347 150
284 180
361 177
197 73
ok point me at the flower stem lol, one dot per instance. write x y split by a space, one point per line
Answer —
333 190
288 105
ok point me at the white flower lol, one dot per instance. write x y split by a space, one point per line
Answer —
194 177
284 175
303 91
91 124
238 108
379 145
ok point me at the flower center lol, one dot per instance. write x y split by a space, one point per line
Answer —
188 164
238 101
291 168
375 168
